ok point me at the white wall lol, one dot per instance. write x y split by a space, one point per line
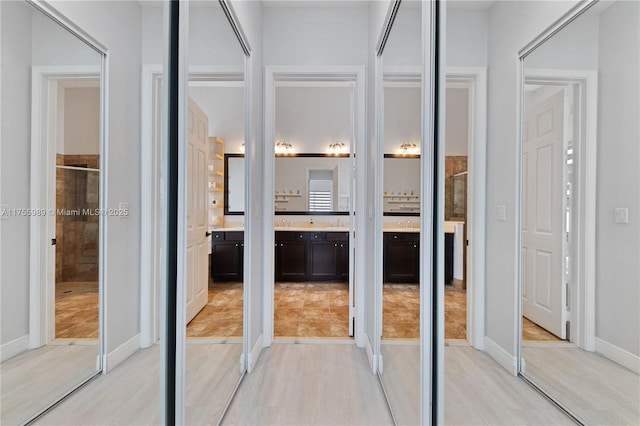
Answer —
313 117
618 245
15 55
224 107
457 122
101 19
81 129
575 47
403 46
401 117
316 35
467 37
511 26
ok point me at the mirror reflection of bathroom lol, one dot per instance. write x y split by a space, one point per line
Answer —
580 245
312 193
50 306
215 242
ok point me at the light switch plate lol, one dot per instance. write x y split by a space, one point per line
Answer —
501 213
621 215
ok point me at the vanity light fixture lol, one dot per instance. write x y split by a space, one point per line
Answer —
284 148
338 147
409 148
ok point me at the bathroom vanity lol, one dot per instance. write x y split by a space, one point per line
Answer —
320 255
227 256
402 256
311 255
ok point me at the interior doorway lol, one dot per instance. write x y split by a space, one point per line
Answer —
313 189
314 119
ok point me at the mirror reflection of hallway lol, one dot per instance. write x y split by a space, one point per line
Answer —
580 245
52 110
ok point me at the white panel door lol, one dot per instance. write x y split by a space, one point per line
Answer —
197 220
544 290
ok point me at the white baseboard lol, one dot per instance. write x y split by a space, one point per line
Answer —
14 347
618 355
373 358
255 354
502 357
119 354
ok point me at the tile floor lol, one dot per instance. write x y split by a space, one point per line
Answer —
311 310
532 332
223 314
314 310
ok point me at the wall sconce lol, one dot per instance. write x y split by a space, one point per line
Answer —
284 147
408 148
338 147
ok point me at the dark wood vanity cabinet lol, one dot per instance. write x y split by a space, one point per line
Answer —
312 256
401 257
291 256
227 256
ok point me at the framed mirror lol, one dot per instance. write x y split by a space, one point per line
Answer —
306 184
53 105
580 319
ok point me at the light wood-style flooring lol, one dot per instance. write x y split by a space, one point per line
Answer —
31 381
304 384
310 384
130 394
594 388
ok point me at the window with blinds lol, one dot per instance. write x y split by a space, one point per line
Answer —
320 191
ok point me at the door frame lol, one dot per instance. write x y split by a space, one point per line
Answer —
352 74
152 187
476 80
582 303
44 87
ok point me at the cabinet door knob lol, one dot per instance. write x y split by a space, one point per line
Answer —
414 246
335 245
242 245
236 244
395 236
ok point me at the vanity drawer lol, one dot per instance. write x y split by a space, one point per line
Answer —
234 236
291 236
402 236
337 236
217 236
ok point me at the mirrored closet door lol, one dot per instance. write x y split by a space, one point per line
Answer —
215 244
52 205
579 214
404 164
